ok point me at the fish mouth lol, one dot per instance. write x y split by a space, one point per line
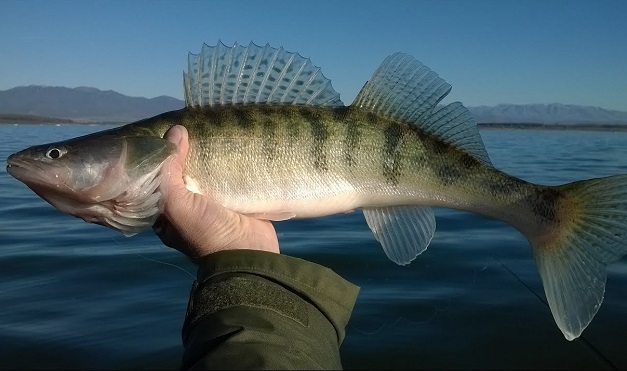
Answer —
35 178
26 172
18 169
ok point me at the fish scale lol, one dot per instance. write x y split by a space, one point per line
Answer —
391 163
270 138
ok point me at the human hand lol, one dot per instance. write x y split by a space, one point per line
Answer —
195 224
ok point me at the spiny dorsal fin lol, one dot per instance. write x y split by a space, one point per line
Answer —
404 89
221 75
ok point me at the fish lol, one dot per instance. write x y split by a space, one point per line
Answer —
271 138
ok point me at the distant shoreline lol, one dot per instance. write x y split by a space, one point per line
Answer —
9 118
13 119
538 126
17 119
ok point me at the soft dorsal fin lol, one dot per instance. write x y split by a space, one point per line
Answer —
404 89
221 75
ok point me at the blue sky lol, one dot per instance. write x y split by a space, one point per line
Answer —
565 51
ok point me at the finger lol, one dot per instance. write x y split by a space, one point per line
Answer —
168 235
159 225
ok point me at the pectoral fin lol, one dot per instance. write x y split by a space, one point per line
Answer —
404 232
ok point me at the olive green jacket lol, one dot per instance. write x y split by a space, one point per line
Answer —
259 310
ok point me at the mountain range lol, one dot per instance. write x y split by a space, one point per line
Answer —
82 104
85 104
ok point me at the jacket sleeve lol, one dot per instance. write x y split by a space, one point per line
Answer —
259 310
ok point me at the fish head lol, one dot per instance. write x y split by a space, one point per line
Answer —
78 170
105 178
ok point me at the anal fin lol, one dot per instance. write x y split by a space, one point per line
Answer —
403 231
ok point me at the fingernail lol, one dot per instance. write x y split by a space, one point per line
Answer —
174 135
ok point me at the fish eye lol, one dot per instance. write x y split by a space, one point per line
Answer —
54 153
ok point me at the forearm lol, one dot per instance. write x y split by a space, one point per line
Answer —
252 309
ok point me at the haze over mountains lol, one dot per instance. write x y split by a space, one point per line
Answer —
85 104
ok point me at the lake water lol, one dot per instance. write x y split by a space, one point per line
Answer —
76 295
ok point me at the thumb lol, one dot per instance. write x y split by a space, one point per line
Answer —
173 167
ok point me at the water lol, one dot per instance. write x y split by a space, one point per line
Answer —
75 295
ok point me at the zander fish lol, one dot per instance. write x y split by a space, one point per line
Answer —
270 138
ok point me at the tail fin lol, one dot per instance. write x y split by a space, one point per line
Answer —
591 232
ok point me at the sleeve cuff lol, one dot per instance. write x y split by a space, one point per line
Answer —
331 294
